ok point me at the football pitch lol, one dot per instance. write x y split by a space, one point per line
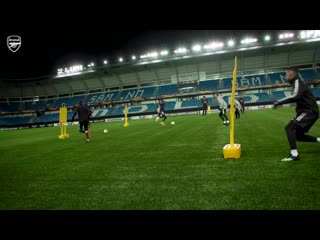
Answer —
149 166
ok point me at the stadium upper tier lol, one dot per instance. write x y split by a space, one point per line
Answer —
207 85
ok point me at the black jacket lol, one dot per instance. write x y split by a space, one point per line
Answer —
204 102
304 98
83 113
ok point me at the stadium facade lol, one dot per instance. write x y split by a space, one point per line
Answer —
182 80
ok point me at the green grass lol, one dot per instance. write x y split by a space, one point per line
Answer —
148 166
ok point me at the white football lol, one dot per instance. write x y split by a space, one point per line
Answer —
173 123
105 131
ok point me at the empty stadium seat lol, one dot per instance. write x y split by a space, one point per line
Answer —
167 89
11 107
277 78
209 85
308 75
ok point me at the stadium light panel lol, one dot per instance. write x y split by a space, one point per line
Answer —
120 59
196 48
303 34
133 57
267 38
152 54
249 40
105 62
180 50
213 45
286 35
164 53
310 34
92 64
230 43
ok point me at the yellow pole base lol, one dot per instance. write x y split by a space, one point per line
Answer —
126 125
63 136
232 152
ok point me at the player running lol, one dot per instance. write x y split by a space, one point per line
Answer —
83 115
307 113
223 106
238 108
161 113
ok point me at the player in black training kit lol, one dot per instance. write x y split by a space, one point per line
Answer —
204 102
307 113
242 105
161 113
84 114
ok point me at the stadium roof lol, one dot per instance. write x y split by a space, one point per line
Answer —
43 54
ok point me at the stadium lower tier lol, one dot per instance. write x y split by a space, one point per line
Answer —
172 105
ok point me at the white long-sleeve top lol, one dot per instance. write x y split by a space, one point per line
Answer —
222 103
237 104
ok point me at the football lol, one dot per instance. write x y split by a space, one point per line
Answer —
173 123
105 131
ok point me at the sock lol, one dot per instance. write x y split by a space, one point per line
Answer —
318 139
294 152
88 134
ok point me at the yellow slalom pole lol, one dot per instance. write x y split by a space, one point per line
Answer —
63 122
232 150
126 124
232 102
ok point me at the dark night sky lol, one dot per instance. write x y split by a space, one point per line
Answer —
41 53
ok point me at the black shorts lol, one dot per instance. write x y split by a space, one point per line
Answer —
205 107
304 121
84 124
223 111
161 114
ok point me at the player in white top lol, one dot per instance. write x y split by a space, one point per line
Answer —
238 108
223 106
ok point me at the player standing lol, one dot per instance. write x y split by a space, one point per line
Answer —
204 102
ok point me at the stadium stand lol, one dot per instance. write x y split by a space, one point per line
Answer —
308 75
167 89
132 93
191 103
40 105
316 91
69 101
277 78
252 80
15 120
209 85
102 97
278 95
11 107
